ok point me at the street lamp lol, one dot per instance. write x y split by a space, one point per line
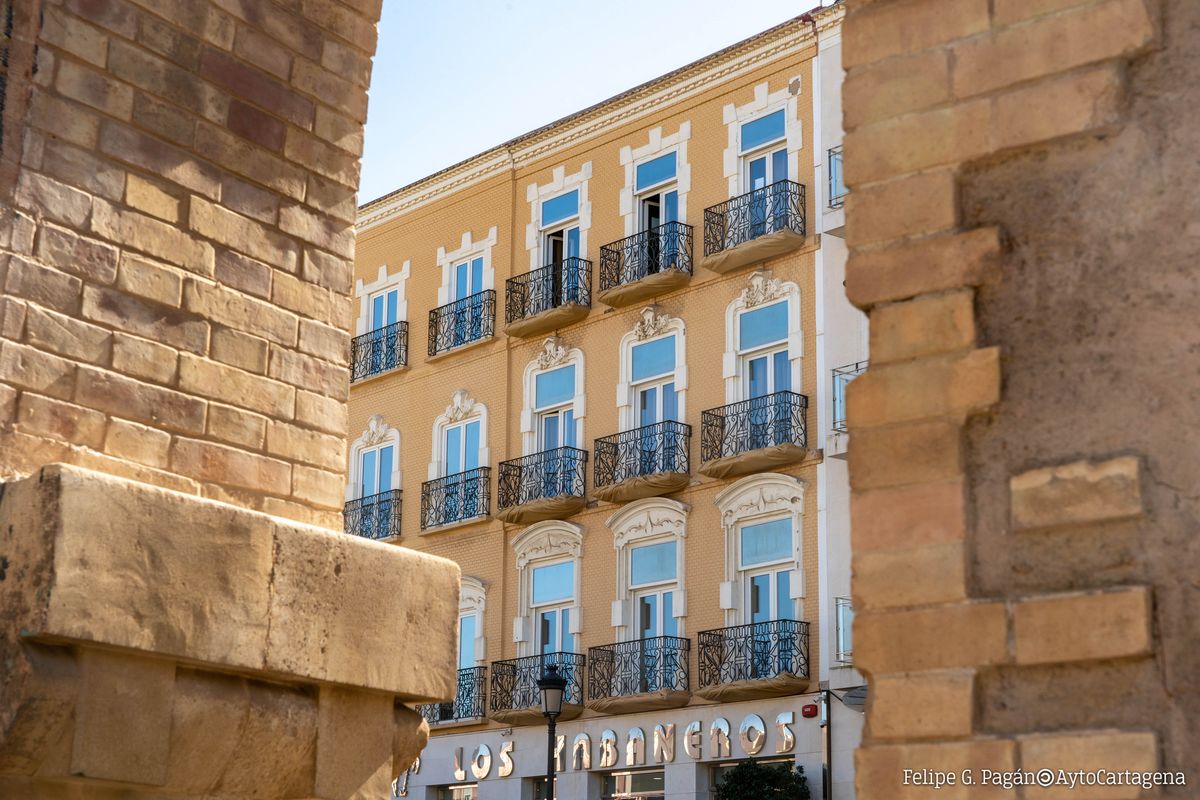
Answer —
552 686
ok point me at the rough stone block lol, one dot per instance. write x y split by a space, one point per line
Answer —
925 452
879 773
1080 493
926 326
929 265
907 516
1116 751
881 30
900 86
917 205
953 386
933 573
1050 109
924 705
354 744
947 637
59 420
1083 627
894 147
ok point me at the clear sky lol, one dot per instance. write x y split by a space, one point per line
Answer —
453 78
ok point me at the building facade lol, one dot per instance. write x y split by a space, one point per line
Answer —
601 367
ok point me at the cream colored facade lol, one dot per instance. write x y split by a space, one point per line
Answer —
490 208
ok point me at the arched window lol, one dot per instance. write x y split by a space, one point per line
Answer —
472 645
763 339
548 611
649 537
374 460
762 517
459 437
653 371
554 404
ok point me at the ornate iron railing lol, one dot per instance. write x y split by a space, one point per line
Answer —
462 322
753 652
456 497
841 379
668 246
376 516
773 419
649 450
514 682
379 351
468 700
565 283
837 181
551 473
645 665
772 208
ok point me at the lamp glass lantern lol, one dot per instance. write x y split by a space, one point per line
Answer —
552 686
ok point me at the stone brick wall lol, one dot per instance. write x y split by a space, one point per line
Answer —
1020 219
178 188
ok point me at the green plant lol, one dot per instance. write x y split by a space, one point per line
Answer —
753 781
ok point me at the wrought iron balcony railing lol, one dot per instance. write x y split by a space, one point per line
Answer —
551 473
837 180
668 246
767 421
565 283
462 322
649 450
374 517
841 379
463 495
378 351
777 207
514 682
468 700
626 669
753 652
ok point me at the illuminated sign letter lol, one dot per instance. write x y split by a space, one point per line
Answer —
608 748
581 752
560 744
481 762
693 739
752 734
460 774
635 748
787 739
506 762
718 738
664 743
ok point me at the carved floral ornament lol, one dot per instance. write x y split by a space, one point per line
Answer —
760 494
660 517
762 289
547 542
554 353
653 322
377 431
461 406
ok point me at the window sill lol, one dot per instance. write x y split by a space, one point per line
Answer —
376 376
458 523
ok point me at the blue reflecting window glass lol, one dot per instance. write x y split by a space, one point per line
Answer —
559 208
670 402
553 582
652 563
554 387
654 358
385 467
656 171
454 450
369 467
766 542
763 325
783 372
784 607
466 641
762 130
471 446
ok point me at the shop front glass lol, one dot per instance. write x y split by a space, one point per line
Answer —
644 785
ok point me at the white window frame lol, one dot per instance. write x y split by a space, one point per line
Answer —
657 145
472 600
761 290
765 102
541 544
384 282
766 568
536 193
753 499
537 609
377 434
462 408
554 354
653 323
469 248
648 521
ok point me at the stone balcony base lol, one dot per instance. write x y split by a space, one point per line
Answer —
158 645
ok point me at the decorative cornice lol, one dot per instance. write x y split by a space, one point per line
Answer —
554 353
653 322
785 39
762 289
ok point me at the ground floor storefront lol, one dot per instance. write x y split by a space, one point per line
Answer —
659 755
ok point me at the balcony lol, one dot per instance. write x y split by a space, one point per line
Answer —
549 298
373 517
546 485
467 706
516 699
456 498
646 264
746 662
379 351
762 433
462 322
642 675
644 462
841 379
753 227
